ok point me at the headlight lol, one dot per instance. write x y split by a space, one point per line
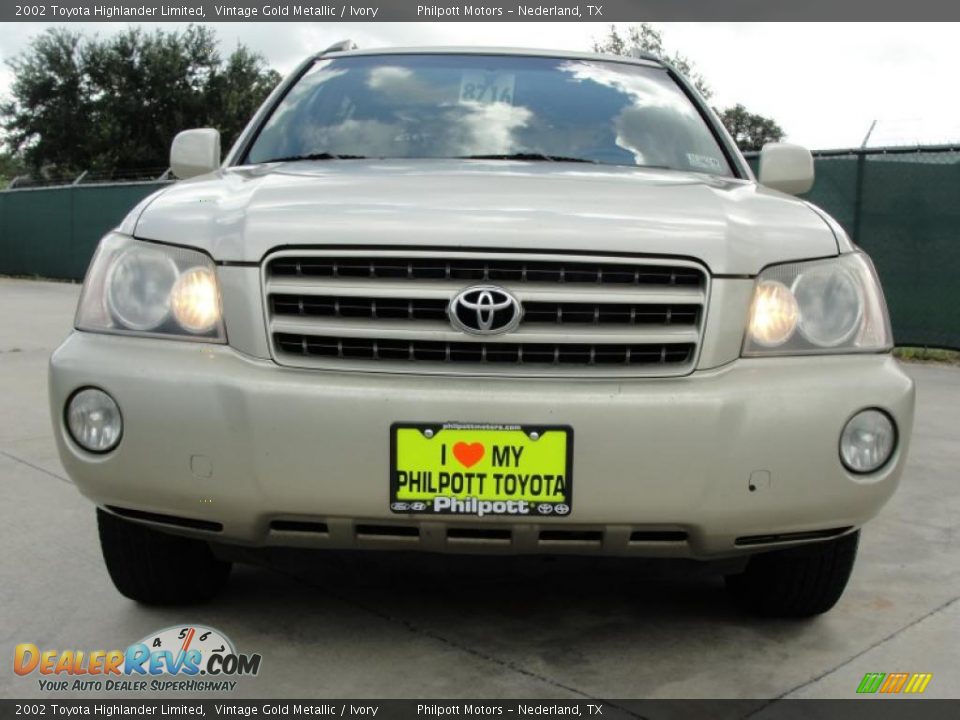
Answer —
196 300
823 306
143 288
832 303
774 314
138 287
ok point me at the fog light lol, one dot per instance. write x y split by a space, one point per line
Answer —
94 420
867 441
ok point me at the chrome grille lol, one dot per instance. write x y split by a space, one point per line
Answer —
387 311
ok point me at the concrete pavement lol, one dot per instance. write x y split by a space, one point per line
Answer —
396 626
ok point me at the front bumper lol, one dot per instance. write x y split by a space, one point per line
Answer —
661 466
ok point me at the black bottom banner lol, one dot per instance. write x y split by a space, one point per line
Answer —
865 709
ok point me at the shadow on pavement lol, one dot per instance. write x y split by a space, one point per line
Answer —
480 587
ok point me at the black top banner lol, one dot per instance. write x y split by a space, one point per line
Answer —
65 11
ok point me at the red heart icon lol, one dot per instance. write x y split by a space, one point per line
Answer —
469 454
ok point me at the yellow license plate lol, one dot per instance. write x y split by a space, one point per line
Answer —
464 469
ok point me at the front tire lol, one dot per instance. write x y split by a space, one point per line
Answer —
796 582
155 568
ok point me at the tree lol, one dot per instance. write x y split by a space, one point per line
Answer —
750 131
51 108
86 103
244 78
644 38
10 168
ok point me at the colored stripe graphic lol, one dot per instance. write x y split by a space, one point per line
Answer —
871 682
894 682
891 683
918 682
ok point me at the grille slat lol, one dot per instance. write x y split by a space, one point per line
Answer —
390 310
483 352
442 289
430 309
572 271
587 333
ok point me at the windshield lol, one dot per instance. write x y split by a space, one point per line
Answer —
489 106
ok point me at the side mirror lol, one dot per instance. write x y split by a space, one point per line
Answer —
195 152
787 168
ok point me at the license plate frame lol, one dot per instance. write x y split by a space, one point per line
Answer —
493 497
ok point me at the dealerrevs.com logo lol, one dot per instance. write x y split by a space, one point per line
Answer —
186 658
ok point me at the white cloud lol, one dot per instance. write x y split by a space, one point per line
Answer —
825 83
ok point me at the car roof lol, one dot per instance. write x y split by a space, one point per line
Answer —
337 51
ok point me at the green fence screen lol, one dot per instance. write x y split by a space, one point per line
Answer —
52 232
903 208
901 205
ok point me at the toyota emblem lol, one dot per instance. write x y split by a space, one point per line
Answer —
485 310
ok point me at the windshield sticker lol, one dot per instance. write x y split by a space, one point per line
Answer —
704 162
485 88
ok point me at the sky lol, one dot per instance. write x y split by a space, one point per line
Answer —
824 83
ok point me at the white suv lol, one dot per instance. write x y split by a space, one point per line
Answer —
482 301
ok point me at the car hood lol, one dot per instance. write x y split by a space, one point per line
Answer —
241 214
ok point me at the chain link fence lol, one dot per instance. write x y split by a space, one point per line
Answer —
90 177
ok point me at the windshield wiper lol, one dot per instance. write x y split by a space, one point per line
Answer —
315 156
528 156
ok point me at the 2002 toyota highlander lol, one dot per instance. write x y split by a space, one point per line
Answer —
483 300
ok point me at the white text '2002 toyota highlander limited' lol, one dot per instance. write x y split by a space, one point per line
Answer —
483 301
